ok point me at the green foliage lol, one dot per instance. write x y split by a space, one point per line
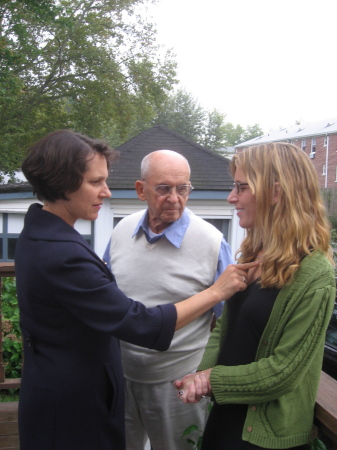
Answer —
196 439
333 221
11 334
215 131
317 444
250 133
196 444
12 355
237 134
94 67
91 66
18 43
9 395
183 114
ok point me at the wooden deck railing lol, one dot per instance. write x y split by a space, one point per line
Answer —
325 410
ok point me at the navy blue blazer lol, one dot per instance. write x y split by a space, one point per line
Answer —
72 315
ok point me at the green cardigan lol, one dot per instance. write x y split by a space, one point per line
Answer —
280 387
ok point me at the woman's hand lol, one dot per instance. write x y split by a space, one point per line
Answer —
232 280
194 386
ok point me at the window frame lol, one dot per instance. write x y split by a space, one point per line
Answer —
313 145
6 235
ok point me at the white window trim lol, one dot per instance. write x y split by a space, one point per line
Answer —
313 145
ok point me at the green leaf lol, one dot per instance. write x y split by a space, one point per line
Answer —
317 444
189 430
199 443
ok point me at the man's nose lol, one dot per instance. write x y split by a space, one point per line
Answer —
173 195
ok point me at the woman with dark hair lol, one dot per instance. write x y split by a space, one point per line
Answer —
263 361
72 313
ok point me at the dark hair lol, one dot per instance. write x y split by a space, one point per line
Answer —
55 164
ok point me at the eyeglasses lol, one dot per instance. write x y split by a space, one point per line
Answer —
238 187
164 189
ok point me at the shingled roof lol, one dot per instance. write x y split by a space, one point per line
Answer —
210 171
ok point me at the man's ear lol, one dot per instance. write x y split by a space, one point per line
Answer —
276 192
139 186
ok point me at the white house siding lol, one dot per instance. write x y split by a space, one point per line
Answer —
120 207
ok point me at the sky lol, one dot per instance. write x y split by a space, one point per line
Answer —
265 62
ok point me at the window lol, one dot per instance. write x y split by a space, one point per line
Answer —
12 224
117 220
303 144
221 224
10 228
86 230
313 145
324 169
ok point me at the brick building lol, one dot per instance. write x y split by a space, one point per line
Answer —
318 140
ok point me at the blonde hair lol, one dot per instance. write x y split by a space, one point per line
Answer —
293 226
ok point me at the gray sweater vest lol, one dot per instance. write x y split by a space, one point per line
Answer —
160 273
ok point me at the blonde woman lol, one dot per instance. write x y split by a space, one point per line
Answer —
263 361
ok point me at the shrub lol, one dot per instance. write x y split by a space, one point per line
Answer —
11 334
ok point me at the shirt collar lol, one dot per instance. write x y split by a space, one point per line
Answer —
173 233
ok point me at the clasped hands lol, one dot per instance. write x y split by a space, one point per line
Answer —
194 386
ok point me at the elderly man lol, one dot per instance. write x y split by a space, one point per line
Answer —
161 255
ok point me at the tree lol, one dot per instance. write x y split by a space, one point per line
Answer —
182 114
250 133
215 131
233 134
13 36
88 65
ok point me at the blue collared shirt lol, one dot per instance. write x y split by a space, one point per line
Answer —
174 233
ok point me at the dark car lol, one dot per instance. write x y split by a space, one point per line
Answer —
330 350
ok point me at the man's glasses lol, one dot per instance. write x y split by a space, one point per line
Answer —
238 187
164 189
